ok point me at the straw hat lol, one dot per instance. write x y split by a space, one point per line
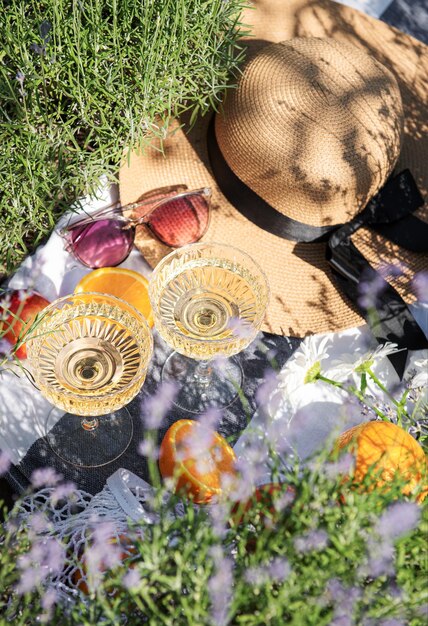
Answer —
314 129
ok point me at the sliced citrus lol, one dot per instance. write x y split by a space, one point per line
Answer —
200 460
122 283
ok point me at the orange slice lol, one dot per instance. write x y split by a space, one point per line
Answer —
199 460
122 283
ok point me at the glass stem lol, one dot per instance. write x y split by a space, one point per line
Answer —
90 423
203 373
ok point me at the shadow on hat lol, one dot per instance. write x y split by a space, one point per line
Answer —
329 104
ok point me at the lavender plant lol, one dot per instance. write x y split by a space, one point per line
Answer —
80 81
315 552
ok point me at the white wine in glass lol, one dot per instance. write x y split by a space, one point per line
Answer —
89 356
208 302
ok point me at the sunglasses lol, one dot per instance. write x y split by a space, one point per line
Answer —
173 215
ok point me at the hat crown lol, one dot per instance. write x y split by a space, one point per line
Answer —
314 128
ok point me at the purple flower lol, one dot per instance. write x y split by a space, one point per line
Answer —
267 389
104 532
399 519
219 514
370 288
341 619
34 47
30 578
46 556
249 474
279 569
423 611
420 285
44 29
344 599
392 621
62 492
48 602
131 579
155 408
54 554
198 444
381 559
49 599
284 500
5 462
275 571
343 466
104 553
392 270
240 328
396 592
257 575
313 540
38 522
210 419
149 449
220 586
45 477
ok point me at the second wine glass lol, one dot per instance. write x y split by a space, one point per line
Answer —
208 302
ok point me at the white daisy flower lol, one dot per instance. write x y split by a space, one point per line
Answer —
304 363
341 369
420 379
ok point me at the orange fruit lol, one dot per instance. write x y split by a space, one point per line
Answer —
198 459
122 283
388 451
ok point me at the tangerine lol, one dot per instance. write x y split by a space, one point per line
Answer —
200 460
387 450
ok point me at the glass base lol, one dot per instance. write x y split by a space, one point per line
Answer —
87 441
203 385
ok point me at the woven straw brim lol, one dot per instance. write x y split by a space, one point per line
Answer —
304 297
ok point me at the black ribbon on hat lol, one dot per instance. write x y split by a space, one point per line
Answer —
390 213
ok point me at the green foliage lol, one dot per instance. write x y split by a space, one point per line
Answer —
304 560
81 80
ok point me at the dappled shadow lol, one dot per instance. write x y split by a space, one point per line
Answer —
407 59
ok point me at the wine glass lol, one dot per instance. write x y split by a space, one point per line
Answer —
208 303
89 356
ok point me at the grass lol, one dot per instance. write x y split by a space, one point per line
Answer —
80 81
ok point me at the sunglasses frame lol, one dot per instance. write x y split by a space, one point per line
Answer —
115 211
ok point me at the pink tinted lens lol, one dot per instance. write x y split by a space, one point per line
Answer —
101 244
181 220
